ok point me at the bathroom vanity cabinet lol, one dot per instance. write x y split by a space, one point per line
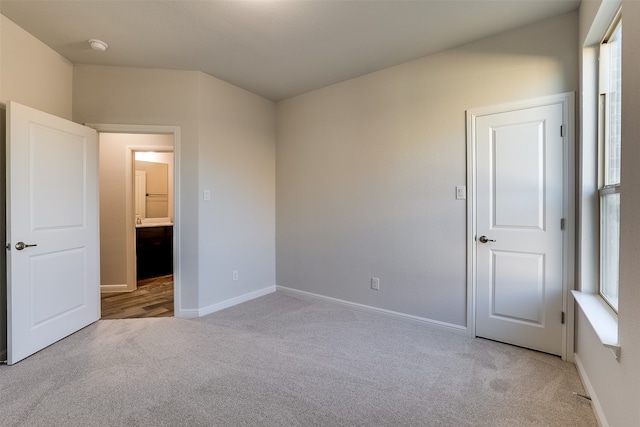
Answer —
154 251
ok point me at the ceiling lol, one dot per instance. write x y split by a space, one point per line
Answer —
274 48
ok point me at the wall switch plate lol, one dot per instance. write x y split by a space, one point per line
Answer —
461 192
235 275
206 195
375 283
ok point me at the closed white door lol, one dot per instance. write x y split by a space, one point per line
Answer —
52 230
519 209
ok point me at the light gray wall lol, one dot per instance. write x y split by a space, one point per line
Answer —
629 314
237 164
227 145
616 384
367 169
33 74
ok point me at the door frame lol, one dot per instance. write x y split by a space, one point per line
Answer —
152 129
567 100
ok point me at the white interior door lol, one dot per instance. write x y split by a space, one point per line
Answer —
519 208
52 230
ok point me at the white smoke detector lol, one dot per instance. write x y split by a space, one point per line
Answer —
98 45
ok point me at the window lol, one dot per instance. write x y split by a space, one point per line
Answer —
610 88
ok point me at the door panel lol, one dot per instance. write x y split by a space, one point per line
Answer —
52 194
47 306
517 288
518 175
57 178
519 206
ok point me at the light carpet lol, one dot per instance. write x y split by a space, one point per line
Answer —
284 361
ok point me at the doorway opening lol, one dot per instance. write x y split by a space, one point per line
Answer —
138 221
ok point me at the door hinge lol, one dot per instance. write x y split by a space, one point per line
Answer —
562 130
8 246
562 318
563 223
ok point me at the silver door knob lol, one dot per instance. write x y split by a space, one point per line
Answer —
483 239
21 245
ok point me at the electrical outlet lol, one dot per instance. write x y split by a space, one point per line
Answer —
235 275
206 195
461 192
375 283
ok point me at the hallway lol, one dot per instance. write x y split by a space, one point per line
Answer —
153 298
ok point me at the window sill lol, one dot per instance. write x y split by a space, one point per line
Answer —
602 319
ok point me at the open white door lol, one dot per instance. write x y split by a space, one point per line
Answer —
53 286
519 203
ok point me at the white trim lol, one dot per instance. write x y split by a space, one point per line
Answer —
471 223
177 205
190 313
606 14
144 129
568 110
394 314
130 158
601 318
569 239
199 312
591 392
122 287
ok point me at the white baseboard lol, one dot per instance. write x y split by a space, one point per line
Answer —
595 404
190 313
199 312
422 320
114 288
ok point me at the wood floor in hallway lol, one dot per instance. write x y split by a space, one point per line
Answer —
153 298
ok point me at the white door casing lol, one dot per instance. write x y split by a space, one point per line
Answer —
179 311
52 202
520 196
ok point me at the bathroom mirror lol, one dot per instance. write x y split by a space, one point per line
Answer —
151 190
